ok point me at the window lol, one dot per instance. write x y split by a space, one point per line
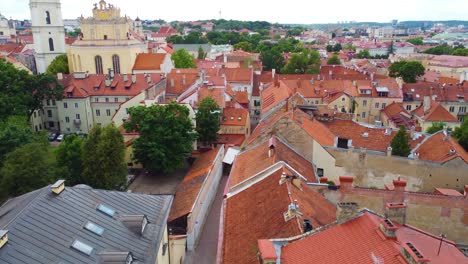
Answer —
107 99
256 102
316 102
343 99
53 102
76 105
35 114
82 247
108 112
376 105
96 100
98 64
364 103
408 107
462 109
126 111
116 64
77 116
51 44
452 109
49 113
116 99
48 102
67 119
98 230
51 124
363 115
320 172
65 105
106 210
105 36
98 112
384 105
47 19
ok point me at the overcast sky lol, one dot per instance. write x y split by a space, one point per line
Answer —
292 11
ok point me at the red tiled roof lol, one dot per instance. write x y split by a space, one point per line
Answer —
179 85
167 30
274 95
360 241
257 212
397 114
436 113
216 94
448 192
438 148
149 61
237 75
188 190
450 92
94 85
242 97
231 117
230 139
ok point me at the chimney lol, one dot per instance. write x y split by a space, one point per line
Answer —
389 151
135 223
59 76
399 184
148 78
125 78
172 82
267 251
426 104
183 80
307 226
416 156
273 72
346 182
312 81
3 237
396 212
346 210
58 186
272 144
413 255
388 228
108 82
324 180
134 78
145 93
111 73
293 211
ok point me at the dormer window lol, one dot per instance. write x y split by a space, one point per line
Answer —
69 94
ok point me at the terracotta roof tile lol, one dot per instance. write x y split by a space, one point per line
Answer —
441 148
436 113
448 192
177 77
274 95
237 75
242 97
216 94
230 139
149 61
231 117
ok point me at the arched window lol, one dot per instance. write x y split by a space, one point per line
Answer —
51 44
116 64
47 19
98 62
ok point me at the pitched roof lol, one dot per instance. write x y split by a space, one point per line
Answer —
444 90
237 75
234 117
216 94
274 95
149 61
43 226
188 189
440 148
242 97
360 240
397 114
436 113
256 212
177 77
448 192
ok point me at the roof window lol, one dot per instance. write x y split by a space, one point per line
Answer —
82 247
98 230
106 210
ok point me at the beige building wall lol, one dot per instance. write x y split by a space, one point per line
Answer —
428 124
371 106
322 159
177 249
122 111
75 115
163 252
342 102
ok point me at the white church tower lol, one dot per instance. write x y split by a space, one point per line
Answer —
48 31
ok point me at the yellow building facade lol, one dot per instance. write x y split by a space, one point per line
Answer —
107 41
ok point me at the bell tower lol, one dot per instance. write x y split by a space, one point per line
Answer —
48 31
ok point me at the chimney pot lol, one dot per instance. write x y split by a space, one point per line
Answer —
134 78
58 186
346 210
346 182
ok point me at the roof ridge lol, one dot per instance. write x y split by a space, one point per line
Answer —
28 205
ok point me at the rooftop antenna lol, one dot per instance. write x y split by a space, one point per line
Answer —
442 236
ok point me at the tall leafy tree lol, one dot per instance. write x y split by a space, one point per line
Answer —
103 158
334 60
15 132
302 63
461 134
22 93
166 136
58 65
244 45
408 70
272 59
363 54
400 145
182 59
208 120
69 159
437 126
337 47
201 53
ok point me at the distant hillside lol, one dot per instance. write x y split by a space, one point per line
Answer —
408 24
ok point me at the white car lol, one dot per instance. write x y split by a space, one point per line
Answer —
60 137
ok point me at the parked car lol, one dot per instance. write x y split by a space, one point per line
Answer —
60 137
53 136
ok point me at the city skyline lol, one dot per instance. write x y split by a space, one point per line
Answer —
294 13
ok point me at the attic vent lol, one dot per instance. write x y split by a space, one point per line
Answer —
412 90
136 223
58 186
388 228
112 257
388 131
239 118
365 135
3 237
412 254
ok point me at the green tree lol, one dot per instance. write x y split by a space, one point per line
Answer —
69 159
460 52
363 54
461 134
334 60
305 62
58 65
329 48
349 47
244 45
436 126
182 59
337 47
26 169
21 93
416 41
15 132
272 59
399 143
166 136
208 120
201 53
408 70
103 158
391 48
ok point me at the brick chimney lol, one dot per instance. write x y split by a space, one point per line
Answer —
324 180
267 252
399 184
346 182
426 104
346 210
388 228
396 212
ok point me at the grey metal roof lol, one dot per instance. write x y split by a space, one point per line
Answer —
42 225
192 47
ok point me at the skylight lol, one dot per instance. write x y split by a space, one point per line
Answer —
98 230
82 247
106 209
